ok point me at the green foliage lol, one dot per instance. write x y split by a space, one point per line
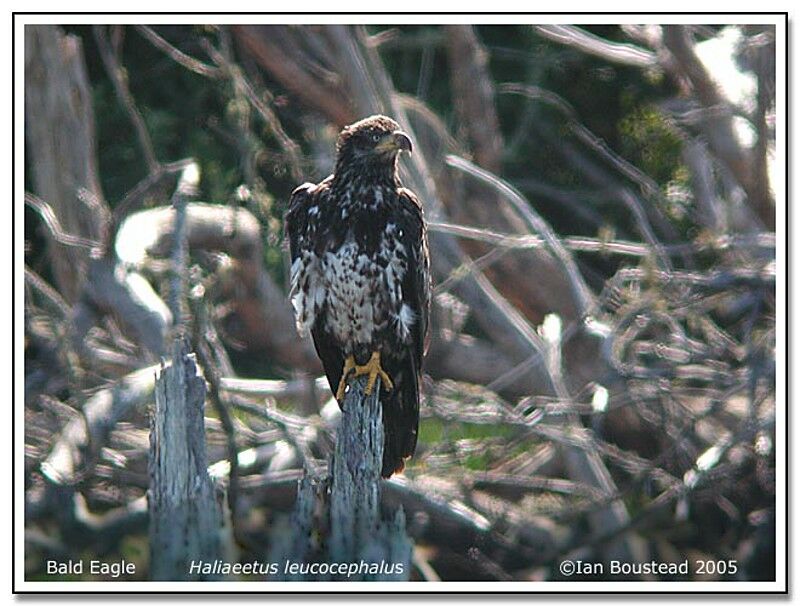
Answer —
433 431
650 143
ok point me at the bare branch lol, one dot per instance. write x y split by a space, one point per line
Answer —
153 182
179 256
764 240
202 329
536 224
233 72
43 209
718 123
119 80
85 436
626 54
56 302
597 145
292 427
177 55
285 67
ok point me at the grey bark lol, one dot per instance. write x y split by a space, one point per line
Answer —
473 94
357 531
345 508
185 517
59 134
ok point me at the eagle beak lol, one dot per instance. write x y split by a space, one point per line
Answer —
402 141
393 143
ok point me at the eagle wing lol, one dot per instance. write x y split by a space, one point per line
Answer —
303 217
307 286
301 231
416 282
401 405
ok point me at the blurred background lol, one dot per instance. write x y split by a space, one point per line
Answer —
601 377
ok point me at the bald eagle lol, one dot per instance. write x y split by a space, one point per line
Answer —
360 277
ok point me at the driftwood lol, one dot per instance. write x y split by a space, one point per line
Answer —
72 459
345 508
185 517
586 466
81 440
262 315
436 515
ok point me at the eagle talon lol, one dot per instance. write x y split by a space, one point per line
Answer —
373 369
349 365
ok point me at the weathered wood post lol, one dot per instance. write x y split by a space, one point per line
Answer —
359 532
185 517
338 520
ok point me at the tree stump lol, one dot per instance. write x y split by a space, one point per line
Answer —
338 520
185 517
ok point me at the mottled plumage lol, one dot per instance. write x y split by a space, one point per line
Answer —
360 273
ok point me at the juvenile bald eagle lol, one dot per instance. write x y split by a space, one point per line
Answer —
360 276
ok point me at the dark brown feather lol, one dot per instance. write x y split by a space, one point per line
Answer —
364 207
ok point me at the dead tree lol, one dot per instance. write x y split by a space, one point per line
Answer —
59 132
357 531
344 509
185 518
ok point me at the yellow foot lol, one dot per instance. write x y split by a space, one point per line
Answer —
349 364
373 369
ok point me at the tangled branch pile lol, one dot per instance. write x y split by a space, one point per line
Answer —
587 396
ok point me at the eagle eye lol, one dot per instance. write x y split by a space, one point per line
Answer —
376 137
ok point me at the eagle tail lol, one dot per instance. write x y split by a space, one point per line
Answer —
400 417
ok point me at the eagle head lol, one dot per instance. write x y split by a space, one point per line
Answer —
374 141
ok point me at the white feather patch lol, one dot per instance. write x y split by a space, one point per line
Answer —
306 293
405 321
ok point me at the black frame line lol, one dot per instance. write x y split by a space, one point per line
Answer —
210 592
